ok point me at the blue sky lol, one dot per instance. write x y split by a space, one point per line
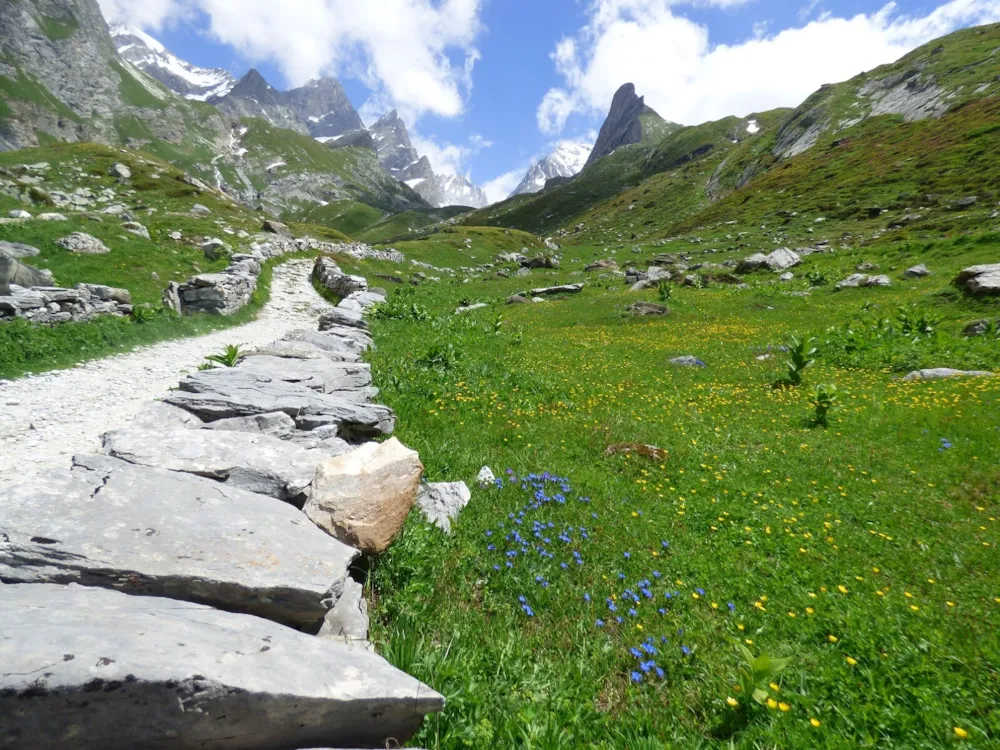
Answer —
490 85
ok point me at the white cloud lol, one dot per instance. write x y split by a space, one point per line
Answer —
418 54
146 14
500 187
686 79
449 158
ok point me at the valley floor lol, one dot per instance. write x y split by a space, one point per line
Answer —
48 418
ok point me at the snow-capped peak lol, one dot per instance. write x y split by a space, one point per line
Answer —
567 160
151 57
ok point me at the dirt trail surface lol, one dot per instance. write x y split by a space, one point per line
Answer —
46 419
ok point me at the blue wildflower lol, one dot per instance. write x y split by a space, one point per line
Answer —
600 623
636 677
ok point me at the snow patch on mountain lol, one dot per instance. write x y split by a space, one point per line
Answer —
566 161
152 58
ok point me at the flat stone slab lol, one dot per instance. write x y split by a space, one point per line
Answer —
304 350
321 375
253 462
442 502
151 532
335 339
92 669
981 280
549 290
340 316
942 373
234 392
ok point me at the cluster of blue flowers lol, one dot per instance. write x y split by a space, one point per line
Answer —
945 445
541 552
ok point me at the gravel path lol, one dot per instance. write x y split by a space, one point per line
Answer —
46 419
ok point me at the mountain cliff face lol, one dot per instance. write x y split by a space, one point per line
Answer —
397 154
153 59
629 121
63 79
320 108
566 161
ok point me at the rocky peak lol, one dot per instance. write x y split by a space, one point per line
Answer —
183 78
320 108
624 124
565 162
395 151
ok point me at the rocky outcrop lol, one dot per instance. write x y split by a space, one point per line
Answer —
100 670
329 275
84 244
780 260
624 124
15 273
863 280
363 497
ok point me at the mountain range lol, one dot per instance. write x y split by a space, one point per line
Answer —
565 162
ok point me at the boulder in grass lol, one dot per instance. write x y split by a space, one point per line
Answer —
13 272
752 263
82 243
687 361
363 497
19 251
782 259
917 272
276 227
92 669
647 308
944 373
980 281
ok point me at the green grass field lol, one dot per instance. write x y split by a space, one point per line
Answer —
595 598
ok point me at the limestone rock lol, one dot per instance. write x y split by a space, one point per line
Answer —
942 373
134 227
485 476
105 671
752 263
18 251
687 361
647 308
328 273
150 532
981 280
13 272
121 172
442 502
361 301
256 463
321 375
277 425
917 272
541 261
862 280
338 316
470 308
276 227
158 415
220 394
363 497
565 289
782 259
84 244
349 617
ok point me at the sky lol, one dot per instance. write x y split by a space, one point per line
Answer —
487 87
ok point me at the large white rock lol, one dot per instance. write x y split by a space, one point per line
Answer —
91 669
82 243
782 259
152 532
363 497
321 375
980 280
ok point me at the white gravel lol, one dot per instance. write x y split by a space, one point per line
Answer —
46 419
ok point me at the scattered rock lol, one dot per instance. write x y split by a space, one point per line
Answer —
215 249
18 251
518 299
550 290
121 172
541 261
13 272
962 203
123 671
341 317
328 273
470 308
977 328
786 277
857 280
485 476
917 272
752 263
782 259
134 227
442 502
52 217
363 497
19 213
647 308
941 373
276 227
865 267
687 361
981 280
277 425
84 244
603 265
201 211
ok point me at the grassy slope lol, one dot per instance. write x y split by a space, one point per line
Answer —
408 223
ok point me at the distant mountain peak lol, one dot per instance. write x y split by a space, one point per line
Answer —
625 122
152 58
566 161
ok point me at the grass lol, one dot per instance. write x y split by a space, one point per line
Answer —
135 92
867 560
58 29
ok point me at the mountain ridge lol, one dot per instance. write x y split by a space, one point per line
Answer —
566 161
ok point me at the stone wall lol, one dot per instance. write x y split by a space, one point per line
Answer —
48 304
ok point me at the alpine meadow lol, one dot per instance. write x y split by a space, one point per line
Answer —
691 439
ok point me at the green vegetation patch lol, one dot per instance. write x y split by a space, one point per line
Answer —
135 91
58 29
27 88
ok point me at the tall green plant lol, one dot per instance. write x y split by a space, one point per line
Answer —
801 356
